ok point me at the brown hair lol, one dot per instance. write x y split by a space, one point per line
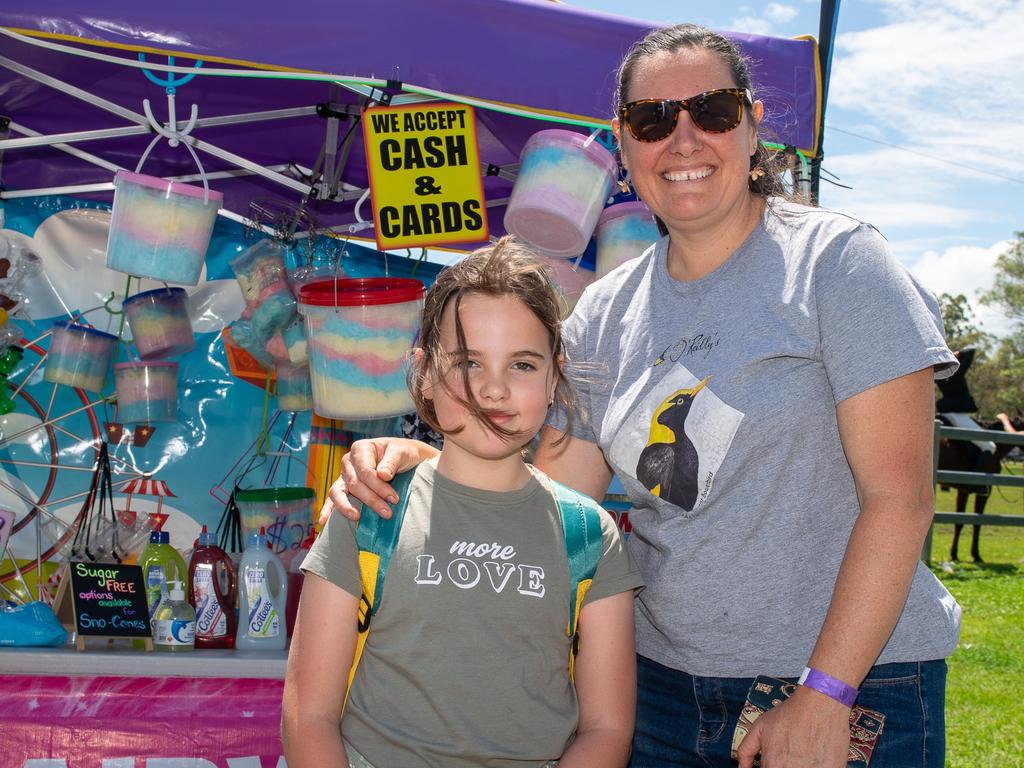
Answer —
505 268
693 36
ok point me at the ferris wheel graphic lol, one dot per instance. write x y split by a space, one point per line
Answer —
50 445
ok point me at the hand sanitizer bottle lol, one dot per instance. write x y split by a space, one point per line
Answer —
174 625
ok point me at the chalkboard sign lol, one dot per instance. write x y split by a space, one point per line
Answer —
108 600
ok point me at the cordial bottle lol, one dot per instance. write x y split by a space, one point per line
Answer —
212 591
263 595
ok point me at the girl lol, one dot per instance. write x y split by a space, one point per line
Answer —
467 663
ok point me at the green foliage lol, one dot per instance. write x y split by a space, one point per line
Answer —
996 378
997 383
958 322
1008 289
984 709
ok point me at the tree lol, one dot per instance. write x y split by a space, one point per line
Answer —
958 322
996 379
998 383
1008 288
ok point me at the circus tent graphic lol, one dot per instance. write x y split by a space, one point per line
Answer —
144 486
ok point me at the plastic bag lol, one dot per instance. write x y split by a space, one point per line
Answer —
31 624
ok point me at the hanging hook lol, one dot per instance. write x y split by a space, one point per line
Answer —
171 131
361 223
170 84
106 305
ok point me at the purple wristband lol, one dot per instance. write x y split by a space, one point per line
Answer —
834 689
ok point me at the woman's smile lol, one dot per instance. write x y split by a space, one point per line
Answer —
694 174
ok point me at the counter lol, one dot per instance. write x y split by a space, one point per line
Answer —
113 706
120 660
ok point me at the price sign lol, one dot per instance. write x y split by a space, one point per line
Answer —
424 172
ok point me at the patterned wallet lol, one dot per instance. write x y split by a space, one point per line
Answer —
766 692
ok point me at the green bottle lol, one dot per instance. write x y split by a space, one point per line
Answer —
161 563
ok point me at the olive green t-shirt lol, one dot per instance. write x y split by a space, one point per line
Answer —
466 663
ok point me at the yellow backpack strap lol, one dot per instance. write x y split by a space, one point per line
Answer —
581 526
376 539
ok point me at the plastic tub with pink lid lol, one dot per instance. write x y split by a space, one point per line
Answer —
563 183
160 229
624 231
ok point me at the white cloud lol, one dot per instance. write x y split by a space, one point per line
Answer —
943 77
764 21
753 25
897 191
781 14
968 270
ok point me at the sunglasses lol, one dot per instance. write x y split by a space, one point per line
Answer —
715 111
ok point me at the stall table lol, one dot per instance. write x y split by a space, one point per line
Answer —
113 707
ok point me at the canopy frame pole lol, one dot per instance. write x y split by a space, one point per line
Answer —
39 139
355 114
70 90
42 140
329 151
140 119
332 160
346 150
5 131
107 186
74 151
401 99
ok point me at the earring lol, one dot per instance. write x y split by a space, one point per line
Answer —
756 174
624 182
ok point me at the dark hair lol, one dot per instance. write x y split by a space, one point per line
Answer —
505 268
692 36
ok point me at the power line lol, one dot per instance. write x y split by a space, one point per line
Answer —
925 154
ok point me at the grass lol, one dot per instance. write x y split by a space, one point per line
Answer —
985 694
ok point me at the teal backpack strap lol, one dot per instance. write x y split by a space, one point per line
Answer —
376 539
378 536
581 525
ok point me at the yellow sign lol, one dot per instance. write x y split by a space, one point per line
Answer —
424 171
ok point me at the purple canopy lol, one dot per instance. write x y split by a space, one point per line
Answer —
553 62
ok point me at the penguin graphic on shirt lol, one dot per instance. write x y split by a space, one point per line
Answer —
669 469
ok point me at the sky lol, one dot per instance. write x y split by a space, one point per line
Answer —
924 122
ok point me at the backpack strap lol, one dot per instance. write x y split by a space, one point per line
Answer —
376 539
581 524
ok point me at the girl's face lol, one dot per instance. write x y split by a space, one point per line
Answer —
691 178
511 375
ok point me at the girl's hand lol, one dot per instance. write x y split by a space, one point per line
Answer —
808 730
366 470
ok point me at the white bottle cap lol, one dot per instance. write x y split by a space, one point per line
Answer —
177 593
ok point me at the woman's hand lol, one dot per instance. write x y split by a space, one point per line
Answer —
807 730
366 470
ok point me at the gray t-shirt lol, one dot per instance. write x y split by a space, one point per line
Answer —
466 663
714 401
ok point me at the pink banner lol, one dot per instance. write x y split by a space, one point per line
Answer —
140 722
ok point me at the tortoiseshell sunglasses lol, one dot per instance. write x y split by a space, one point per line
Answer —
714 111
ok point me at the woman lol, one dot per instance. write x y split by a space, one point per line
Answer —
761 381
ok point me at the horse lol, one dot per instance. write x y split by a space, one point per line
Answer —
964 456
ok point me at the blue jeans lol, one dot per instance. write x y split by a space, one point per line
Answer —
683 720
